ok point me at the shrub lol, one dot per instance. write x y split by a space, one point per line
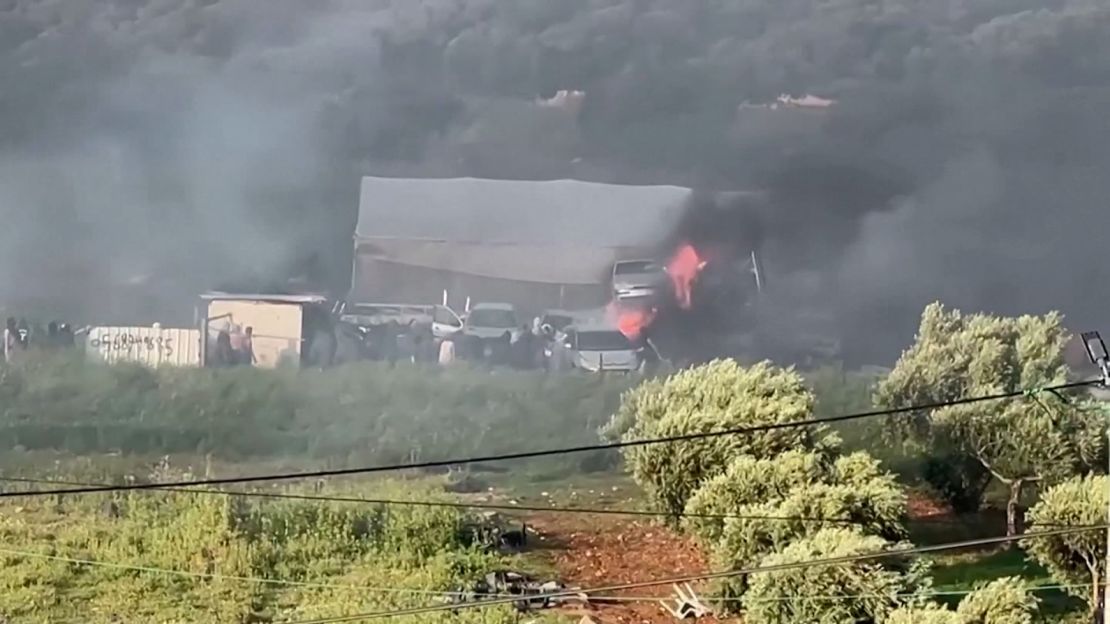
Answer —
340 549
863 591
876 507
928 614
357 414
1073 558
717 396
748 480
853 486
1004 601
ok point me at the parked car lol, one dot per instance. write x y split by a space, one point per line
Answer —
637 278
488 321
594 349
556 320
442 319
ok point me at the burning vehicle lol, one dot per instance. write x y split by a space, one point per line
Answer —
637 278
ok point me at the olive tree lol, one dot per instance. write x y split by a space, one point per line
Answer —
1075 558
1020 442
721 395
749 480
874 508
807 484
863 591
1004 601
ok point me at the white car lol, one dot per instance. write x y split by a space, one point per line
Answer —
595 349
489 321
442 319
637 278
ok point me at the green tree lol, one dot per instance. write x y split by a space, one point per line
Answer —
717 396
928 614
748 480
863 591
875 506
810 484
1019 442
1004 601
1078 558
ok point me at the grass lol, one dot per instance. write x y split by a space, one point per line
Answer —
966 571
339 549
357 415
69 420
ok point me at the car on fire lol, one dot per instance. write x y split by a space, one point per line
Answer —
595 349
638 278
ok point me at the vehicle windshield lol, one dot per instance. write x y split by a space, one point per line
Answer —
558 322
636 267
603 341
499 319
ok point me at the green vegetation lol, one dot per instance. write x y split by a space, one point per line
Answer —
1004 601
800 493
356 415
1020 442
817 593
717 396
1078 558
317 560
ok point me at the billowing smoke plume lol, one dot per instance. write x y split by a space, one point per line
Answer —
954 149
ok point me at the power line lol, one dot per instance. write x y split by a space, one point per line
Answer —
222 577
497 506
550 452
709 576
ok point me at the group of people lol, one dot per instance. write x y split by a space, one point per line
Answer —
20 336
234 347
524 351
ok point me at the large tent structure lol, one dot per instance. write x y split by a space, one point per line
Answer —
536 244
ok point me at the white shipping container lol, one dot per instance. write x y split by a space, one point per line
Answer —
150 346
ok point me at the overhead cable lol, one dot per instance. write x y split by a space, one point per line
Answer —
497 506
288 476
896 552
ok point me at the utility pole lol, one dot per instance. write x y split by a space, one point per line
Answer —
1096 350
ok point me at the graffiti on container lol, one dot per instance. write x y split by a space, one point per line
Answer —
126 342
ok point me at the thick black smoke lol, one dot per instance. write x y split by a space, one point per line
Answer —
171 145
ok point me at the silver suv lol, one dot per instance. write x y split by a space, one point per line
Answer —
637 278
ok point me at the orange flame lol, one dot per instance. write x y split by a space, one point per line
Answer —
683 268
631 321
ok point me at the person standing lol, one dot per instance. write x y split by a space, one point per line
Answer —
11 340
447 351
224 353
246 348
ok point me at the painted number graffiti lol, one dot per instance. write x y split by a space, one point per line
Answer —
126 342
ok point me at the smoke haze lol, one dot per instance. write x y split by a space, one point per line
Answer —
168 146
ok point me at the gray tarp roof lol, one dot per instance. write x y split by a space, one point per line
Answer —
561 231
558 212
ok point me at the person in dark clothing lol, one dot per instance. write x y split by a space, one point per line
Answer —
501 350
523 352
51 335
65 336
390 348
223 355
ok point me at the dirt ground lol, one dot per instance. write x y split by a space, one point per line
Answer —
589 552
610 550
